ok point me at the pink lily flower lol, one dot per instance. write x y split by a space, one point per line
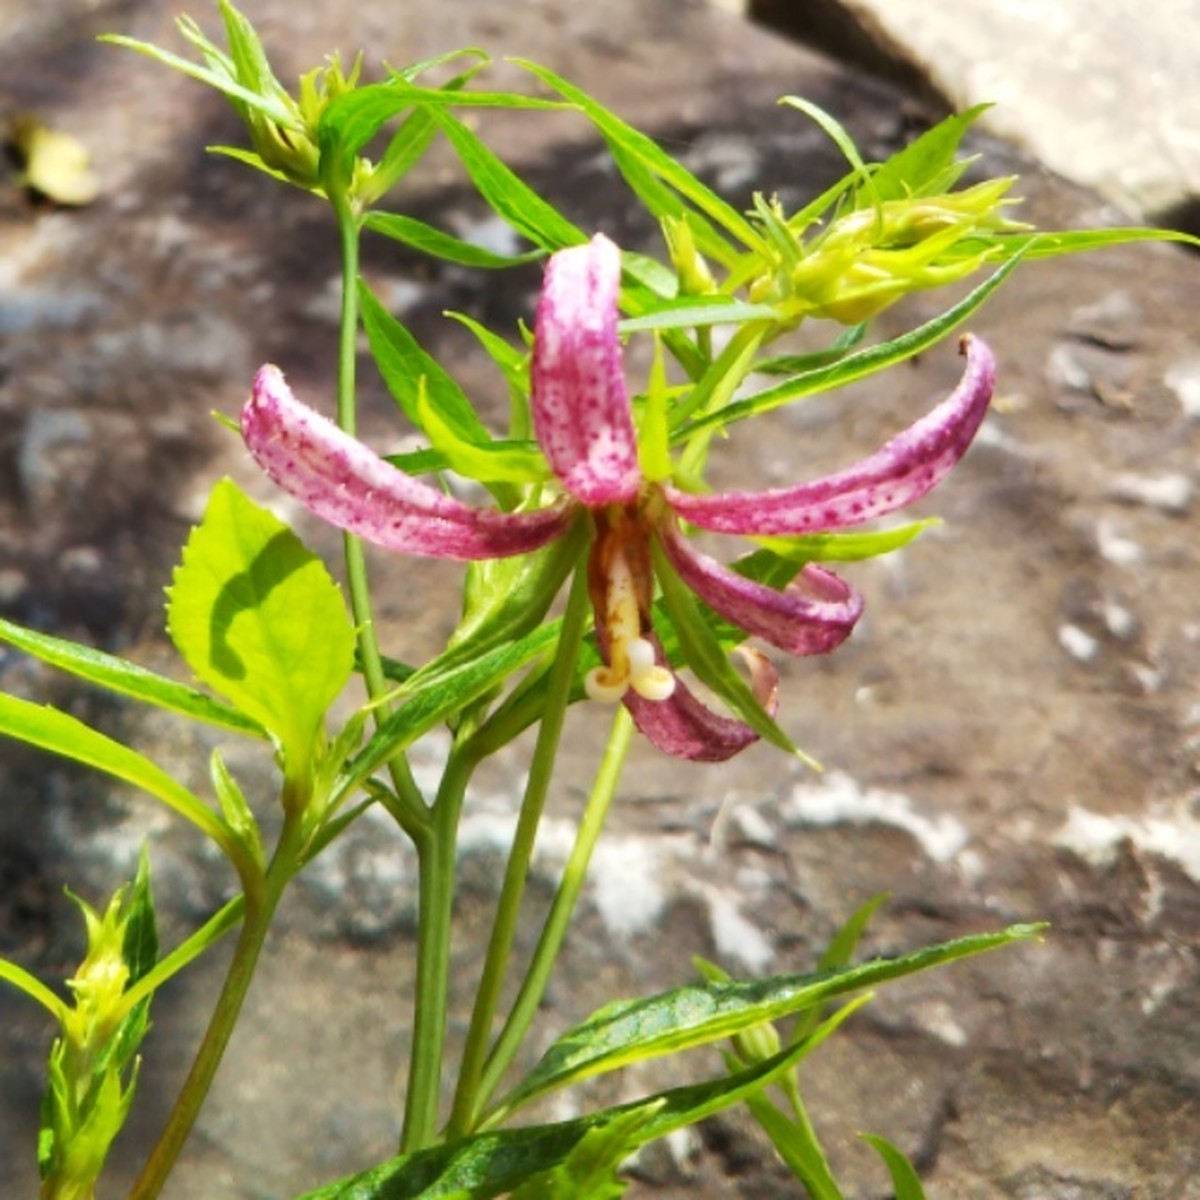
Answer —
584 425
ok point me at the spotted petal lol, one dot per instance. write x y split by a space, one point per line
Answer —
813 615
899 473
339 479
683 727
581 411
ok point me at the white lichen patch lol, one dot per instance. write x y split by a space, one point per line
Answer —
736 939
1096 837
1078 643
1170 492
837 799
1116 548
1183 378
628 879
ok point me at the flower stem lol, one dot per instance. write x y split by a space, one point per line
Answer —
260 905
512 891
437 848
574 874
410 810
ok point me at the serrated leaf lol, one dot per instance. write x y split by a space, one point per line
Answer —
259 619
493 1164
126 678
629 1031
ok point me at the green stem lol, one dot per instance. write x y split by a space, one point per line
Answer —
437 847
410 811
512 891
574 874
260 907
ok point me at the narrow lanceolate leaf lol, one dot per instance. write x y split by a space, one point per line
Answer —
404 363
694 311
509 196
436 243
906 1183
495 1164
854 366
630 1031
55 731
618 134
899 473
927 165
260 620
433 696
33 987
126 678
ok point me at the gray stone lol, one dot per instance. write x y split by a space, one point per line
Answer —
1105 93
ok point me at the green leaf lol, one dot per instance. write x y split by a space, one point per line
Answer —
855 366
843 547
927 165
236 808
126 678
259 619
351 120
493 1164
837 134
510 197
630 1031
693 311
48 729
434 698
488 462
590 1170
437 244
906 1183
34 988
403 363
629 140
140 947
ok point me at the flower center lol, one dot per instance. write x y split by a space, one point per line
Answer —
619 606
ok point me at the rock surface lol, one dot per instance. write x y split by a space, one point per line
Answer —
1105 93
1011 735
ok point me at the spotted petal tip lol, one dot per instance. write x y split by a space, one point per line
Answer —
580 404
341 480
683 727
899 473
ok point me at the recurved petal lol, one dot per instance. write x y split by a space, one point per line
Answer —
813 615
897 474
581 411
685 728
342 481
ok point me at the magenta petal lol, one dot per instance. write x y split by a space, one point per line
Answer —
813 615
684 728
899 473
339 479
581 411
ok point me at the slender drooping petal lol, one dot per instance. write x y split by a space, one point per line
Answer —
899 473
681 725
813 615
339 479
581 411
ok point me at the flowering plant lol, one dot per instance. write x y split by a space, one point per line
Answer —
592 491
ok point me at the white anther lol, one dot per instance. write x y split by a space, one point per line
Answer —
600 684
